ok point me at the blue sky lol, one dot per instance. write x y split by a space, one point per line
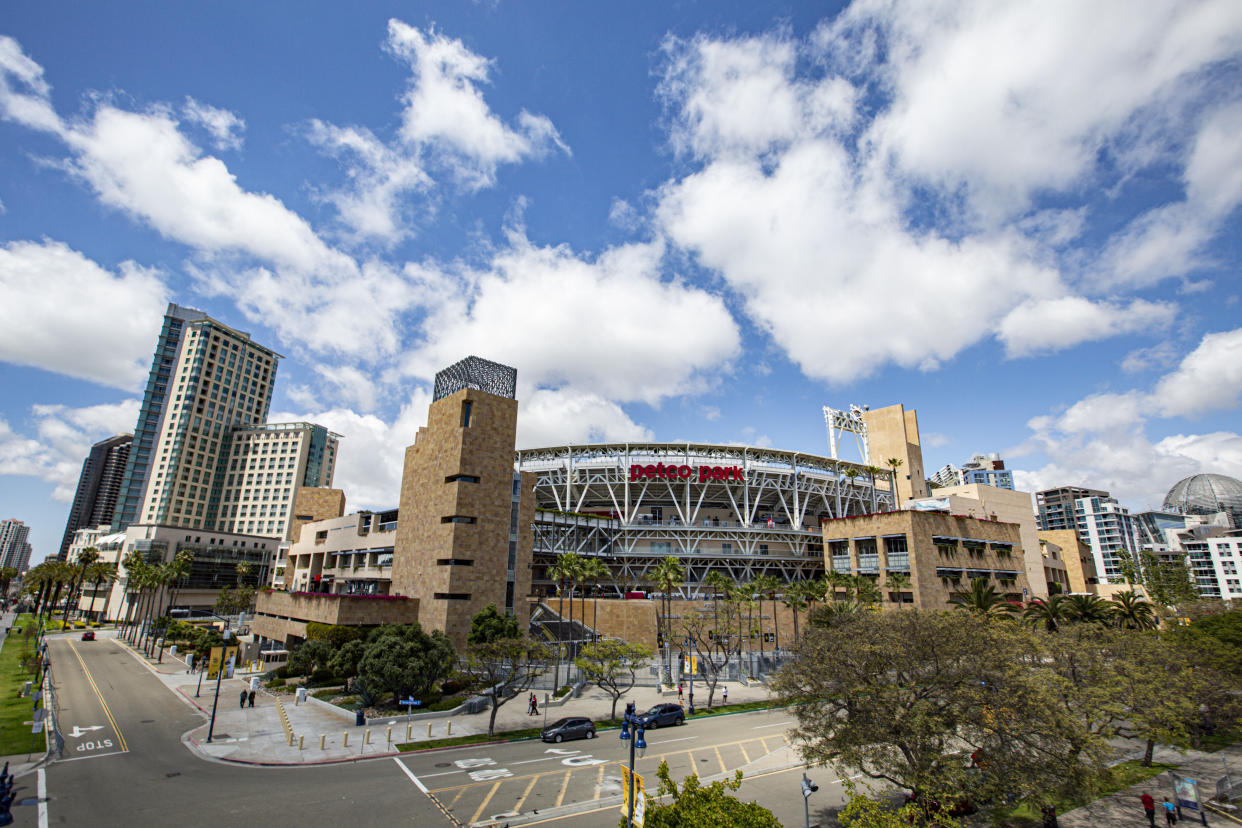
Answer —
690 221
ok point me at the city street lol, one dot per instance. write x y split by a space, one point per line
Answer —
124 763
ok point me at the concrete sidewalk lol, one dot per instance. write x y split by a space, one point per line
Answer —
1124 807
258 735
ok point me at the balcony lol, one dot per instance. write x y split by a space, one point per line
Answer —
337 609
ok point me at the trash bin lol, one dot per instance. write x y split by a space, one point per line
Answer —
254 683
26 689
301 695
360 718
172 650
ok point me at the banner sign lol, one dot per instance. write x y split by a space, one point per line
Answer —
1186 792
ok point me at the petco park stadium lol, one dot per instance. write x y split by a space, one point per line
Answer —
742 511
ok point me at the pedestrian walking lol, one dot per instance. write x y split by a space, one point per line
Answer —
1149 808
1170 812
678 691
243 698
725 695
1050 816
251 698
534 705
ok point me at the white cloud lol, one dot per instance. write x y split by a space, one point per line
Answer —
29 103
62 438
224 127
1103 412
445 111
1210 377
379 176
563 417
1160 355
609 326
62 312
1048 324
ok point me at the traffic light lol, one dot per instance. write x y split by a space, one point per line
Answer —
808 787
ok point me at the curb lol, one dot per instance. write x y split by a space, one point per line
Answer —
200 749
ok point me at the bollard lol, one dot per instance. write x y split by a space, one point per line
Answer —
366 737
428 730
407 732
300 738
323 737
449 731
345 739
290 740
390 735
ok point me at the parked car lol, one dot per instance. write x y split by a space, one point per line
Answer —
571 727
89 635
663 715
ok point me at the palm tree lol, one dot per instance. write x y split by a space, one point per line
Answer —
593 571
100 573
561 572
1052 612
768 585
982 599
873 472
86 557
865 590
7 574
895 463
61 574
899 583
1090 609
835 580
180 567
668 574
134 564
796 595
1132 612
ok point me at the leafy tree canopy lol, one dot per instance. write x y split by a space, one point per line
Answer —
335 634
695 805
490 625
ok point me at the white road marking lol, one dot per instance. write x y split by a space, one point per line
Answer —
42 799
441 773
78 732
670 741
410 774
540 759
778 724
93 756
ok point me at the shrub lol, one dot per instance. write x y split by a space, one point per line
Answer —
79 625
321 677
446 703
452 687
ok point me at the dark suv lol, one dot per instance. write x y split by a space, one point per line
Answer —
572 727
663 715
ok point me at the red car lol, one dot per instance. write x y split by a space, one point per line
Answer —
89 635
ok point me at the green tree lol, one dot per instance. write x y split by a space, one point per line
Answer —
796 600
344 662
309 657
594 570
695 805
86 558
179 569
405 661
1168 582
1132 612
611 666
338 635
490 625
1050 612
983 600
1089 609
711 637
504 667
898 584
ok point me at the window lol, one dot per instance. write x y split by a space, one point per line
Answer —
461 478
457 519
454 562
451 596
465 413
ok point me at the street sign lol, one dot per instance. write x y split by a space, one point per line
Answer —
411 703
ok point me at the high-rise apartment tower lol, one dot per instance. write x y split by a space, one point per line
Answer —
99 485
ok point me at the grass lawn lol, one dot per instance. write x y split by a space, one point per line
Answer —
15 737
1120 777
506 736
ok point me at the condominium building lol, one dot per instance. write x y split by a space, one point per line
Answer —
1055 508
154 400
940 553
99 486
984 469
264 470
14 550
221 381
1111 532
1008 506
1074 558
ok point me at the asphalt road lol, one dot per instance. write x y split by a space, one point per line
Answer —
124 764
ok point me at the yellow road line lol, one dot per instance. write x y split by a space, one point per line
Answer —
483 804
745 755
599 780
459 793
120 738
720 759
564 787
517 806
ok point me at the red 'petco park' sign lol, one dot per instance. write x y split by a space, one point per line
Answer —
662 472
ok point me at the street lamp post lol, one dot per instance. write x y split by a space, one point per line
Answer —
632 719
808 788
224 649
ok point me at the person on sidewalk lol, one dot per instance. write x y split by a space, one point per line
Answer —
724 695
251 698
679 691
1149 808
534 705
1170 812
243 698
